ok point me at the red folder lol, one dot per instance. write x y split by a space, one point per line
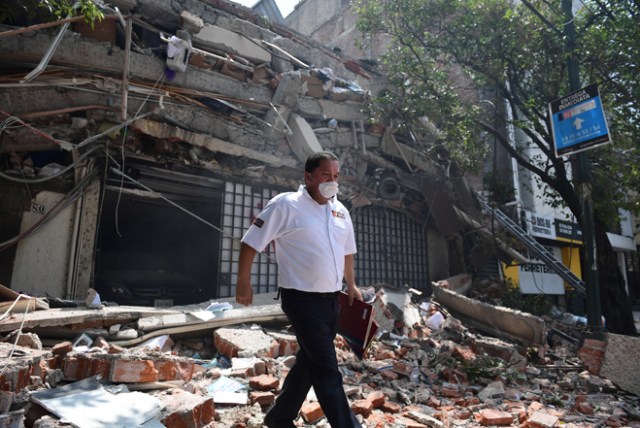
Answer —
356 324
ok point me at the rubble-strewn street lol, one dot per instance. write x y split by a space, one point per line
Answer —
222 367
137 149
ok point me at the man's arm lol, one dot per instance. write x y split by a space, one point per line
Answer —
349 275
244 290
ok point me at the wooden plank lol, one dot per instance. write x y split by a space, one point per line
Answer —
252 314
68 316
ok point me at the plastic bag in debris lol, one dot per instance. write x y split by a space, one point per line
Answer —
220 361
178 51
325 74
368 294
435 321
219 306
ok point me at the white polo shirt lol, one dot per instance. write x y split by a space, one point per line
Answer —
311 240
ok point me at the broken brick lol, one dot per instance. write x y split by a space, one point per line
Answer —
62 348
83 366
391 407
287 344
229 342
488 417
171 369
542 420
181 409
311 412
450 390
377 398
264 383
134 371
263 398
362 407
463 353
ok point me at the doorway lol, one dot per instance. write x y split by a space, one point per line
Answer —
151 252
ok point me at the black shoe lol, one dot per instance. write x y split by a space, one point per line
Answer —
270 423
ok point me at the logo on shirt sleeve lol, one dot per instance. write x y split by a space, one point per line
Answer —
258 222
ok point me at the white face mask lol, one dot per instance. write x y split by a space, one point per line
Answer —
328 189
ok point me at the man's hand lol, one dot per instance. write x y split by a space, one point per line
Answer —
244 292
349 276
354 294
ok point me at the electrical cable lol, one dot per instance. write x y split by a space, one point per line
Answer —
180 207
19 333
57 174
158 83
159 195
66 200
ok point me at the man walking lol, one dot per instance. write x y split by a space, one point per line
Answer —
315 244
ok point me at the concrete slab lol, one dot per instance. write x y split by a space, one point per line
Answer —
88 404
621 365
303 141
237 342
108 58
58 317
497 320
50 247
163 130
227 41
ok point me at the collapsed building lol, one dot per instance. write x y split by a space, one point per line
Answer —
137 149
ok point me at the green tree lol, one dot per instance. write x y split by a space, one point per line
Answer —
17 12
446 57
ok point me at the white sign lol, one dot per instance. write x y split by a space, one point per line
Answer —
540 226
538 278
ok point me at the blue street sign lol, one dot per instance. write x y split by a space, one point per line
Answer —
578 122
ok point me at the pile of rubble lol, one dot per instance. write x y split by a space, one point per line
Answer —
424 369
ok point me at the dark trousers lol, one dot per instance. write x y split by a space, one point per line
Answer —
314 317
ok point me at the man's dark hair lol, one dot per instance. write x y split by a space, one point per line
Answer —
314 160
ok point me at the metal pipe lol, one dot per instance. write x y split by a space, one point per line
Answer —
125 71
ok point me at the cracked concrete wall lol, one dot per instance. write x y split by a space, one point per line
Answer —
237 126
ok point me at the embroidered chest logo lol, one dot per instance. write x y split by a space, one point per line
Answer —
338 214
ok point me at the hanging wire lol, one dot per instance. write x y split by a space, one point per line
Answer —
180 207
158 83
59 206
52 176
24 317
7 124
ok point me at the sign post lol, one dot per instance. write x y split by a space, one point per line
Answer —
583 170
578 122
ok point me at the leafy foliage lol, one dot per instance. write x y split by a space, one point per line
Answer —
19 12
483 366
476 67
65 8
467 72
536 304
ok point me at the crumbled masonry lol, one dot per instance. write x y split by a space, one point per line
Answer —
412 375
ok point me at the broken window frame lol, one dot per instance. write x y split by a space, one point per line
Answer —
240 205
392 249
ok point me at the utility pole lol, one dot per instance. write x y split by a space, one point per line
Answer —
582 180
